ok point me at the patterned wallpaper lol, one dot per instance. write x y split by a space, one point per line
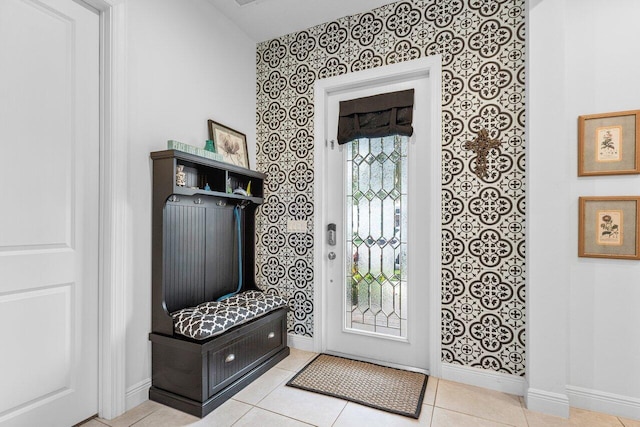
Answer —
483 261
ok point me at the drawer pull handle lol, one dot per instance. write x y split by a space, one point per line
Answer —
271 335
230 358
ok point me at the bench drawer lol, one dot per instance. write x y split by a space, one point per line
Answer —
228 363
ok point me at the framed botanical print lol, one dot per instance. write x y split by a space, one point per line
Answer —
609 144
609 227
231 144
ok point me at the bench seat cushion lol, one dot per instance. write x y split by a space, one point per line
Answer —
212 318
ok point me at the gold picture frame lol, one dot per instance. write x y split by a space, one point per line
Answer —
609 143
609 227
230 143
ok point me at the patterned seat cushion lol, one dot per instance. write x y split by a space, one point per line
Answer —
214 317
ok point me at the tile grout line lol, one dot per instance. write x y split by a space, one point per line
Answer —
284 382
435 399
523 408
281 415
481 418
132 425
621 422
146 416
274 389
243 415
338 417
253 406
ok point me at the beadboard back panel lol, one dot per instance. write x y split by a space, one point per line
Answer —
483 219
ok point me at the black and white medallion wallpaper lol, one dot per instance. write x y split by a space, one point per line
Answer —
483 219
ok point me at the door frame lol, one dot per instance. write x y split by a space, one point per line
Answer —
112 240
430 67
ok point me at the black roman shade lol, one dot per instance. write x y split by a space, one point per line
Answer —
376 116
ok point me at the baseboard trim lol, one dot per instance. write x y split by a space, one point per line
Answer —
137 394
608 403
548 403
299 342
492 380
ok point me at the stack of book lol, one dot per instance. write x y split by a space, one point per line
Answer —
186 148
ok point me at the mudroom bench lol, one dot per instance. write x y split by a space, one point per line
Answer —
213 331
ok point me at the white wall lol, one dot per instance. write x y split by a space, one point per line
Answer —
583 312
548 186
187 63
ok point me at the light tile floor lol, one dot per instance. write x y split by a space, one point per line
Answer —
268 402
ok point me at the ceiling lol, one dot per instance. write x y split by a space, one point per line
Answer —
267 19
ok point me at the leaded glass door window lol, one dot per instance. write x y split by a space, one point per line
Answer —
376 236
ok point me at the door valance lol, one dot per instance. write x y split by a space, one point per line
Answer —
376 116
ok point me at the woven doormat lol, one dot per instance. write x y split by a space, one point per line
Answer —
388 389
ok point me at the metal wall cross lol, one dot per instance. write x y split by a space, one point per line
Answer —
481 146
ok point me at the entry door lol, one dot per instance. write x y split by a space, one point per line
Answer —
377 287
49 133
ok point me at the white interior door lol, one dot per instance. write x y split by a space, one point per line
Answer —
377 290
49 128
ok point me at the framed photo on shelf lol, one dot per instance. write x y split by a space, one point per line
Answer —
609 227
609 143
231 144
